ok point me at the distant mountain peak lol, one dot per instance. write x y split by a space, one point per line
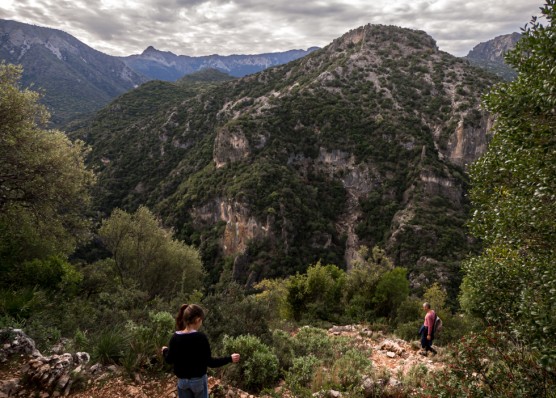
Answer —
149 49
165 65
75 78
489 55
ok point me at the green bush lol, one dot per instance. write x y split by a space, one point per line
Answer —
258 367
312 341
284 347
144 341
350 368
409 331
491 364
299 377
109 347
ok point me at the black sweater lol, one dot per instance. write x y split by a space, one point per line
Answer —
190 354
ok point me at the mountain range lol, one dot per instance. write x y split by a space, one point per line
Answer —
77 79
362 143
164 65
74 78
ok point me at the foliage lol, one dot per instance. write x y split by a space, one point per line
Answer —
392 288
346 129
299 377
511 285
145 340
491 364
146 253
44 184
313 341
108 347
258 369
52 273
317 293
231 312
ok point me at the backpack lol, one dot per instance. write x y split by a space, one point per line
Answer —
437 325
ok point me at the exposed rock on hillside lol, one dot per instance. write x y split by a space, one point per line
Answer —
364 142
72 375
490 55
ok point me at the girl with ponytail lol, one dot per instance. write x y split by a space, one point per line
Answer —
189 352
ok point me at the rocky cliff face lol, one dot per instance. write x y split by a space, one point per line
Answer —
490 55
76 79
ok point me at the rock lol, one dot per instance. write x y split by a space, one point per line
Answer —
390 345
18 343
9 387
334 394
391 354
81 357
48 375
97 367
393 382
112 368
336 330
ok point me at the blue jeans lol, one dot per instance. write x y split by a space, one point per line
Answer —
193 388
425 344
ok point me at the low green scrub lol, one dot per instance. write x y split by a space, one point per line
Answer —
258 368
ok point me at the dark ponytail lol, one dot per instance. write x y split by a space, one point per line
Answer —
187 314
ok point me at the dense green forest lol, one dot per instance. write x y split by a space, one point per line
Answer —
109 281
357 144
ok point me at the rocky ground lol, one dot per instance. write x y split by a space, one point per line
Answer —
22 366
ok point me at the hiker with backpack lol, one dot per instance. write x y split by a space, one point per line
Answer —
427 331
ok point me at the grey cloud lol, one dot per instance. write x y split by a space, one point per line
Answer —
250 26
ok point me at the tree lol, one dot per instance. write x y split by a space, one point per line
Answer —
512 285
44 184
391 290
146 254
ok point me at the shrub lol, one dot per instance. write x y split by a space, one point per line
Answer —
349 369
144 341
492 364
409 331
299 377
109 347
312 341
284 347
259 365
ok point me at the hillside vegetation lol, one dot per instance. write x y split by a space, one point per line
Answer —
364 142
330 191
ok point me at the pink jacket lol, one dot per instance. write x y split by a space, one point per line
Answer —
429 320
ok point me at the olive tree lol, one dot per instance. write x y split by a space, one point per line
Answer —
147 254
44 184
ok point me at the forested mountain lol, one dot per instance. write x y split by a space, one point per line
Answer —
77 80
74 78
490 55
363 142
165 65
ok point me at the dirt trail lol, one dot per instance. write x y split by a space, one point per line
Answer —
390 356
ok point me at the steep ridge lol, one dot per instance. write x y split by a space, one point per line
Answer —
165 65
489 55
364 142
75 78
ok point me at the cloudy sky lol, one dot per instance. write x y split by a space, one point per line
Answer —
201 27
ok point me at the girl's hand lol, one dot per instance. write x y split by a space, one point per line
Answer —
235 358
